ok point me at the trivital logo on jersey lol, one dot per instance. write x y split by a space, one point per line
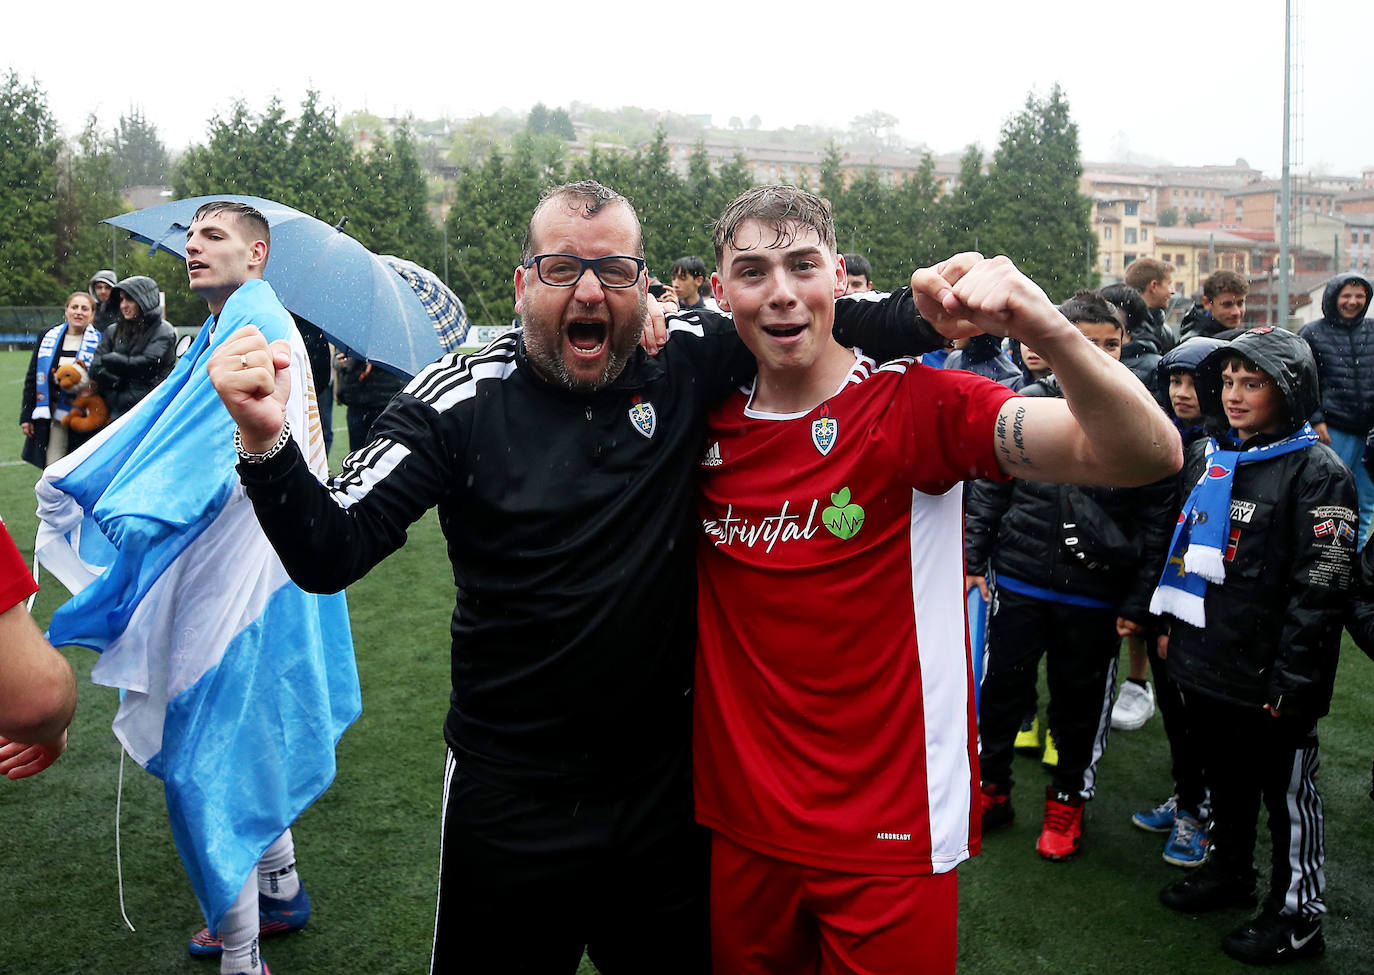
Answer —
642 416
843 518
824 430
712 456
785 526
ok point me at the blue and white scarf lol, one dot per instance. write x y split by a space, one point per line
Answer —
47 346
1198 549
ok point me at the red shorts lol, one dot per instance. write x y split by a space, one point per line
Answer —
779 918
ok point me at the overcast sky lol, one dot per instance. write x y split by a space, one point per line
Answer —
1190 83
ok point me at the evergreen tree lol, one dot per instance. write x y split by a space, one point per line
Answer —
965 207
919 238
140 158
29 148
320 176
538 120
561 125
87 192
1037 216
832 179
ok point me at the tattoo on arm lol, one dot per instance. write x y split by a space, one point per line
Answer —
1013 448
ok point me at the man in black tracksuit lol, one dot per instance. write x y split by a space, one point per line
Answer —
1256 667
1074 568
562 459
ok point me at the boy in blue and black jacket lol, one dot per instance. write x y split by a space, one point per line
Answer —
1257 579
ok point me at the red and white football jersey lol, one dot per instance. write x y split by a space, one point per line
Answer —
834 717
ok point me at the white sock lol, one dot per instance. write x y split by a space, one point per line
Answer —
277 869
238 930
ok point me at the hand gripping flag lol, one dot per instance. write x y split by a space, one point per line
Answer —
236 685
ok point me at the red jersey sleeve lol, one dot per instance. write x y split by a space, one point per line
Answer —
956 412
15 582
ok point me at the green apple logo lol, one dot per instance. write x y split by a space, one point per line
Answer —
843 519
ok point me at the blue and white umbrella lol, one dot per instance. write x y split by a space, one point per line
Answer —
384 309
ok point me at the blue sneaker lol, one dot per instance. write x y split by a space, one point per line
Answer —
1160 819
1187 846
274 917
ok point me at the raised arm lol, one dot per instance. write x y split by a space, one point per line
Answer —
1107 429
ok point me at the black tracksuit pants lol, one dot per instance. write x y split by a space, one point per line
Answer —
1080 645
1185 752
1251 756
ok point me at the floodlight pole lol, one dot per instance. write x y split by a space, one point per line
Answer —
1285 197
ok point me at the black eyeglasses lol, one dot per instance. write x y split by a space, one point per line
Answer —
565 270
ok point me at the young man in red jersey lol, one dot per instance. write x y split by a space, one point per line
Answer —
834 757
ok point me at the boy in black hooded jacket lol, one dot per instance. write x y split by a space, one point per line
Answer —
1257 579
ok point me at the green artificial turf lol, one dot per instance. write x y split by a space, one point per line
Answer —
368 850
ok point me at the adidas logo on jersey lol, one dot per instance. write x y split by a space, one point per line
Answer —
712 458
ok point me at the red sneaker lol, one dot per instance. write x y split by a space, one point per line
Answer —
1062 833
997 809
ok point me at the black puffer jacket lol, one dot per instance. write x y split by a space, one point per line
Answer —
1274 626
1141 354
134 356
1199 321
1184 357
1023 529
1344 350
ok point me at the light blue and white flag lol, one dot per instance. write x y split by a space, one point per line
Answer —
236 685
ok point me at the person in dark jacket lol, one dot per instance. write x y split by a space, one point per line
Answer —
137 353
1074 568
1255 588
102 284
1155 281
982 355
1185 813
1342 342
1221 313
1143 348
365 389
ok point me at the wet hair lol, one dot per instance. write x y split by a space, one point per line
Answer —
1224 282
1091 307
1237 359
1127 298
248 215
857 265
779 207
693 267
591 198
1139 273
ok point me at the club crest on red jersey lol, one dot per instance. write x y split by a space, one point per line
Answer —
824 430
643 417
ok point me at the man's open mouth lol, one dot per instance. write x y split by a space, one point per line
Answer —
587 338
783 331
195 266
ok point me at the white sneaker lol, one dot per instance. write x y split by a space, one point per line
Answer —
1134 706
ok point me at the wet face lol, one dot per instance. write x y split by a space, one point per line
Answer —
581 337
857 282
1105 335
128 307
220 256
1183 397
1227 308
101 290
79 311
1253 402
781 294
1352 300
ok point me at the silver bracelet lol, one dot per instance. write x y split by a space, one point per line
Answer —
265 456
